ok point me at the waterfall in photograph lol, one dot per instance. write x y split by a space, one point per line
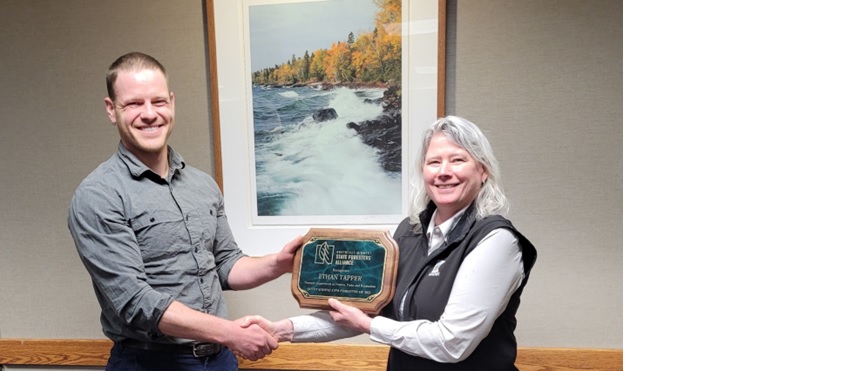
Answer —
308 162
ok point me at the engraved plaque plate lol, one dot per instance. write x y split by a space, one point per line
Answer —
355 266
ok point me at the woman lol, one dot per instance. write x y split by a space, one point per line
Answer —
462 267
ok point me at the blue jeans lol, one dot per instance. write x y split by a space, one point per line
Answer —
130 359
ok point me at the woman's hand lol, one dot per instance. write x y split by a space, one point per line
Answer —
349 316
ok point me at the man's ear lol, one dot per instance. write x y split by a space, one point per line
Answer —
109 108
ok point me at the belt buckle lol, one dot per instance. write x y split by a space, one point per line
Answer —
204 349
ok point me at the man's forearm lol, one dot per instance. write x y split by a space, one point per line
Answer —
251 342
250 272
184 322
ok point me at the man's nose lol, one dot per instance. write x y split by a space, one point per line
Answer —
149 110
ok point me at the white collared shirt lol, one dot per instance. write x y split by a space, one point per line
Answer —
436 234
487 278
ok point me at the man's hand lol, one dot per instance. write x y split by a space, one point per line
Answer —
349 316
281 330
285 257
252 342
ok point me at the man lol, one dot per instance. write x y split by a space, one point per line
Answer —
152 232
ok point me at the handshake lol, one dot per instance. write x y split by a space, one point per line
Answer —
256 336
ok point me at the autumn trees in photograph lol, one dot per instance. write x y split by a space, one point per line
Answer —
371 58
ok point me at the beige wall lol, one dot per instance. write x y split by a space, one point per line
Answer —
543 78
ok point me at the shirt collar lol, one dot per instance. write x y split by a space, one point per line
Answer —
446 226
137 168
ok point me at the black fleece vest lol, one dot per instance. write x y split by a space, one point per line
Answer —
427 283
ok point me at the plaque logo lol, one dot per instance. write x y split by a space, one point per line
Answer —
324 253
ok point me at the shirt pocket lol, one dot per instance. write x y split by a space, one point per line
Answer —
161 235
202 224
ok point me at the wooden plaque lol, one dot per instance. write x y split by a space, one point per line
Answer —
356 266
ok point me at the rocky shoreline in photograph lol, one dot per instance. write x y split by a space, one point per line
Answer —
383 133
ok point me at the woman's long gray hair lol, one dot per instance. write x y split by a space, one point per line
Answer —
491 199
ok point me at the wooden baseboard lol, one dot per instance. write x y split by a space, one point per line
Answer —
323 357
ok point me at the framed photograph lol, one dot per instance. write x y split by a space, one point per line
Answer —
317 109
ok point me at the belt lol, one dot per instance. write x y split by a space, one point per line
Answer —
195 349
